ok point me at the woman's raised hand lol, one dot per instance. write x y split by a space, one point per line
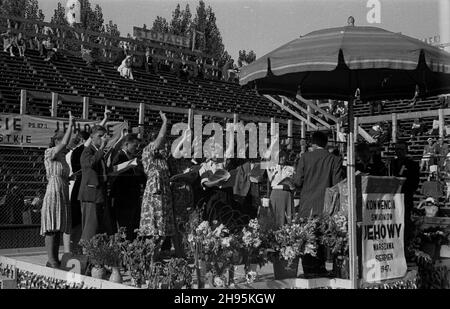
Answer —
163 116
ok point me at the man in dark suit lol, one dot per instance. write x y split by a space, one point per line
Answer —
126 188
316 171
92 193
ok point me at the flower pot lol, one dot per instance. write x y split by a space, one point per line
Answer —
281 269
115 277
98 272
341 267
265 202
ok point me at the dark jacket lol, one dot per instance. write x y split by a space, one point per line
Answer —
128 183
316 171
93 167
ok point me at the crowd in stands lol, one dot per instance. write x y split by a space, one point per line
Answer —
185 65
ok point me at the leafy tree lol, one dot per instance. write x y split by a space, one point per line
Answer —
246 58
13 7
32 11
160 24
181 20
59 15
112 29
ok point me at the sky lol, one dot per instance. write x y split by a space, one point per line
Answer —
263 25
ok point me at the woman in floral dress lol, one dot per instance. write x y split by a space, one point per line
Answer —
157 217
55 212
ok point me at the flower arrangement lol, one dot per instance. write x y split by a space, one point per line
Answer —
252 243
297 239
103 250
334 234
214 245
138 258
174 274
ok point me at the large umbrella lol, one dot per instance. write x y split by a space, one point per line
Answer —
334 63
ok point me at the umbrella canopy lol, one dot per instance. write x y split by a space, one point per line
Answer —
333 63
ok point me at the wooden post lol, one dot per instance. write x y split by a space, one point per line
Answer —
289 133
235 118
85 108
272 126
355 129
23 102
394 128
351 182
308 116
141 119
441 122
303 136
54 109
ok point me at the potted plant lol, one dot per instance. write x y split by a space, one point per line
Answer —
138 258
114 254
94 248
254 253
334 236
217 248
174 274
290 242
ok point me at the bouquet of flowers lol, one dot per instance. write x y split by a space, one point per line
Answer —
214 245
174 274
335 234
138 257
297 239
103 250
252 244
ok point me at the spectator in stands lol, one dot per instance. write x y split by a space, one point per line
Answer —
441 151
316 171
150 63
429 153
125 69
404 166
417 128
376 105
21 45
92 193
56 212
86 55
434 131
183 70
157 218
199 68
126 188
9 42
49 49
376 132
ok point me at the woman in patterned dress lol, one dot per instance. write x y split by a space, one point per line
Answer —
157 217
55 213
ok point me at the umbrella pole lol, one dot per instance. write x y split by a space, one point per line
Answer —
353 257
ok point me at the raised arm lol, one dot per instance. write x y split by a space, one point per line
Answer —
162 132
102 123
66 138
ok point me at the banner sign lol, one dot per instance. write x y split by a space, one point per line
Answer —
383 213
31 131
166 38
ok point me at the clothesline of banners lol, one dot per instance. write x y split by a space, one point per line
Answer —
32 131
